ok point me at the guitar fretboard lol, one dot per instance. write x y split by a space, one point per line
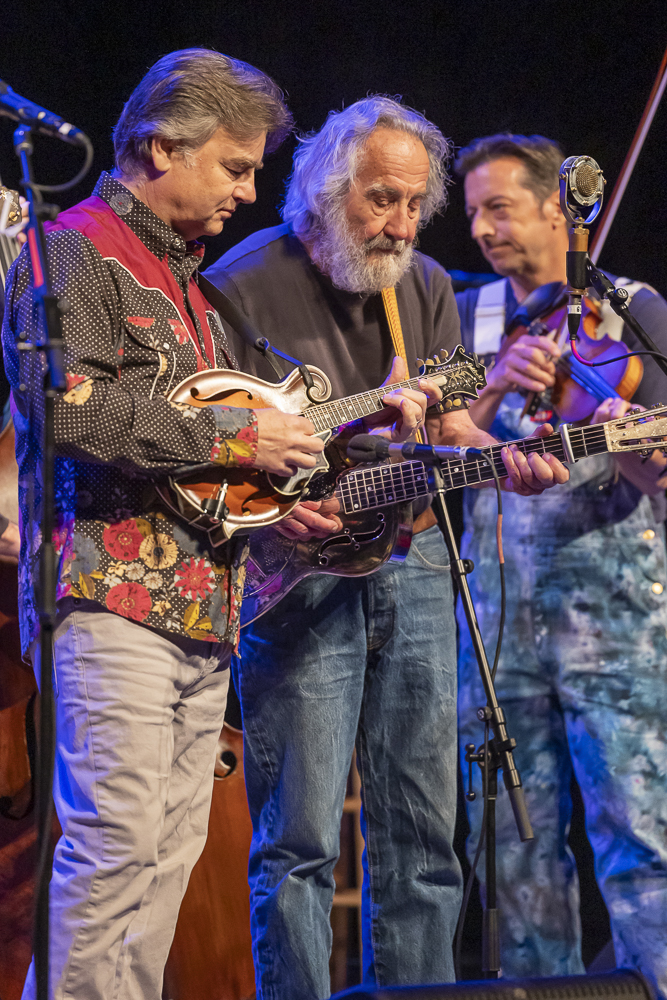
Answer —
326 416
382 485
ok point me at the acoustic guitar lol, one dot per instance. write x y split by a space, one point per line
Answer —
376 506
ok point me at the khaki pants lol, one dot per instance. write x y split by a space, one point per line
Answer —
138 714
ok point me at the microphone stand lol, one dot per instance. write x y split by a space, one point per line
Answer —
618 300
51 348
500 747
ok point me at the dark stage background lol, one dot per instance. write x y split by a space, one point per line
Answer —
579 73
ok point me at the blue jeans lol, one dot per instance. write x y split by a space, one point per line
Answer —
371 659
583 680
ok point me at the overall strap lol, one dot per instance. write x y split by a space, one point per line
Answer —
490 318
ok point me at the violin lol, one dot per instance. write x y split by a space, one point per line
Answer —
578 390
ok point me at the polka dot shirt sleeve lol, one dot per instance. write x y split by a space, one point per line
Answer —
108 415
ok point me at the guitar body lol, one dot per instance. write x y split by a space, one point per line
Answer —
254 499
276 564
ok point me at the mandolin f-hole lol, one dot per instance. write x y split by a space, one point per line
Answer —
216 397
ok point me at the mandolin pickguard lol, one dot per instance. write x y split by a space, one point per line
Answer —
276 564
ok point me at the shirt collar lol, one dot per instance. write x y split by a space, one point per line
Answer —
155 234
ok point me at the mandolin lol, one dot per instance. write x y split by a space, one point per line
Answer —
221 501
377 517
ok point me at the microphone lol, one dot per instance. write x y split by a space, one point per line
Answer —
21 110
367 447
581 194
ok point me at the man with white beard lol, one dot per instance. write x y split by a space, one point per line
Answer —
371 659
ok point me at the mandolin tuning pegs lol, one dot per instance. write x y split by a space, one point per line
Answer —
420 363
430 361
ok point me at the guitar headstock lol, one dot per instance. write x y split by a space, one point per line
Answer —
458 374
638 430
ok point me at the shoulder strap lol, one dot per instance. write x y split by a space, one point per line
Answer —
490 317
394 321
390 304
228 311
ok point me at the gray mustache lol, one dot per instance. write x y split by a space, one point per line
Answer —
382 242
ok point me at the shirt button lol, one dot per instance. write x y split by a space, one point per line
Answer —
166 347
649 533
657 588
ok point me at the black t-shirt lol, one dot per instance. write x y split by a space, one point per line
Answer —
271 278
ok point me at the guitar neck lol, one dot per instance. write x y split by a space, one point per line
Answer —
326 416
381 485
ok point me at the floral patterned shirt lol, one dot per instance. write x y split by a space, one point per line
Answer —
136 325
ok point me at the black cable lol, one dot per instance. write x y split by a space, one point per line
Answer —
611 361
88 162
501 568
470 881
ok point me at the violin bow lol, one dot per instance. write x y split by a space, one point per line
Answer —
645 121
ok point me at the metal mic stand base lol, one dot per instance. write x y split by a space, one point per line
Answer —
500 747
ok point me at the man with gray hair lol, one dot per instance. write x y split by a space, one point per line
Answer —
367 659
141 681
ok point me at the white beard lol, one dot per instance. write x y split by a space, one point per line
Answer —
350 265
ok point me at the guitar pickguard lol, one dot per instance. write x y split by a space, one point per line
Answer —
350 540
277 564
294 484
